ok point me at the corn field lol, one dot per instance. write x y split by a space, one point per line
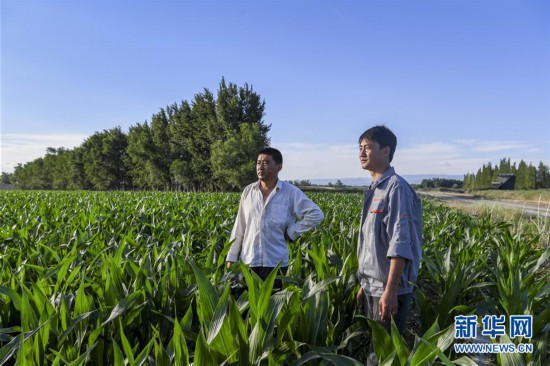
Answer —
125 278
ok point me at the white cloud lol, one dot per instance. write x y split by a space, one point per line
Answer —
493 146
309 161
434 158
21 148
466 142
312 161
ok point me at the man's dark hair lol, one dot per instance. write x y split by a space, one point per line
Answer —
383 136
274 153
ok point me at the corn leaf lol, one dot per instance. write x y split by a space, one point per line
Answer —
123 306
128 351
14 296
383 345
144 354
118 356
332 358
203 354
509 359
208 297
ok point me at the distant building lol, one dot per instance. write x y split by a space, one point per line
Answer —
4 186
504 182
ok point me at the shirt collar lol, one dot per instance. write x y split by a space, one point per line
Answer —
388 173
278 186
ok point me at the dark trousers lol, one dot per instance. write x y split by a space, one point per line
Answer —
263 273
372 311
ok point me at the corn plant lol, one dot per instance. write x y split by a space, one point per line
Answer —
139 278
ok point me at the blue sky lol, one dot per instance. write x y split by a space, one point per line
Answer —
461 83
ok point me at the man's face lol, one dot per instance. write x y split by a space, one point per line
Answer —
266 168
372 157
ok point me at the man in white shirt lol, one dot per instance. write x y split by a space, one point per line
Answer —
271 212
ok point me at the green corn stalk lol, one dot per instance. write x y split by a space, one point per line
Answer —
68 259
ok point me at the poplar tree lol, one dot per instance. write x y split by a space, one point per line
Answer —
203 123
543 176
78 176
181 135
234 159
104 154
208 144
140 151
159 162
62 168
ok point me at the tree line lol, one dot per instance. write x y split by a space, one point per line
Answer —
208 144
439 183
527 176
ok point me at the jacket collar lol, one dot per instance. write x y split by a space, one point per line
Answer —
388 173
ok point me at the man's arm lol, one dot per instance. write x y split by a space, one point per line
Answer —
400 247
308 213
237 235
388 301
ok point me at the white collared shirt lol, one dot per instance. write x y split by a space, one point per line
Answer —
259 231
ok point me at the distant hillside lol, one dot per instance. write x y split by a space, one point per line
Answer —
412 179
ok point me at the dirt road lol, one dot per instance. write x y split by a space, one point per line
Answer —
534 209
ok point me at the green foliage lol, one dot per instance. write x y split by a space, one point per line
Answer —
206 145
527 176
181 133
103 157
139 278
393 349
543 176
6 178
441 183
233 160
302 183
140 156
472 265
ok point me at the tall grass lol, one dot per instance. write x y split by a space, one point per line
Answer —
139 279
